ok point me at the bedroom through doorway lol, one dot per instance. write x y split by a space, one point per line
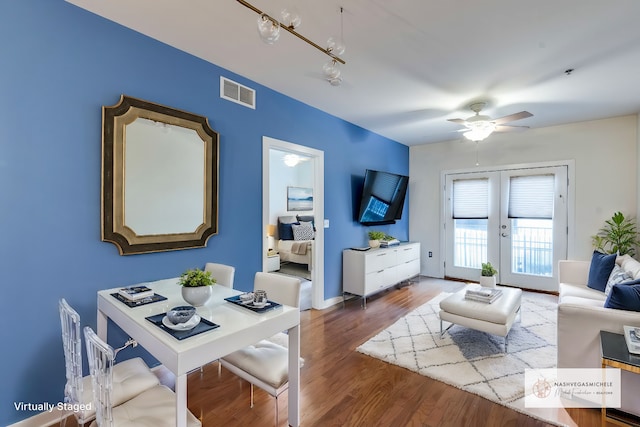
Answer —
293 216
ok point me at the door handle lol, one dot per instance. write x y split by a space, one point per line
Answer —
504 235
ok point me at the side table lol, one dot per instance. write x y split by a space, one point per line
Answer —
273 262
616 355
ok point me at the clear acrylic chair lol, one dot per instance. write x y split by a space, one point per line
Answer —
155 406
131 377
223 273
266 363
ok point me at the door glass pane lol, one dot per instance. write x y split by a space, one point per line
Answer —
532 246
470 242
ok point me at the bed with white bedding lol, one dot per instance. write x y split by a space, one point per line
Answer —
298 251
295 239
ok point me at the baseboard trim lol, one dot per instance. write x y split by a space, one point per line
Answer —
331 302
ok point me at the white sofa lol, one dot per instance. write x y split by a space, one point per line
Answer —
581 317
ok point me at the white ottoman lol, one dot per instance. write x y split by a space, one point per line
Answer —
495 318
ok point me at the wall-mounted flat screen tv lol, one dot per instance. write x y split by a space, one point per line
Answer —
383 197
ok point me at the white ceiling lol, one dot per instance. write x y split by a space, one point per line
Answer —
413 64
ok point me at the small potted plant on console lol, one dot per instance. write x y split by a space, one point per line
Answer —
375 237
196 286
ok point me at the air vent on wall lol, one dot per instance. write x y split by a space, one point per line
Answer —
237 93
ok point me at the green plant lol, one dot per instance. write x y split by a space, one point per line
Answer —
618 236
387 237
488 270
376 235
195 278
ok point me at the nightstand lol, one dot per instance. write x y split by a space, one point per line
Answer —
273 262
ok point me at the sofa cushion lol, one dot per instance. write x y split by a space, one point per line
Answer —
600 270
624 297
581 291
618 275
629 265
582 301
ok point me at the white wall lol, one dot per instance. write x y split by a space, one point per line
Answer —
283 176
606 159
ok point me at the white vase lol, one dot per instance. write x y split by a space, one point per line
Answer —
197 296
374 244
488 281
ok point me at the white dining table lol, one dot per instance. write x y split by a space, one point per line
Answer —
238 328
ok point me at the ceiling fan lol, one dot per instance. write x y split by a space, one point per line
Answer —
479 127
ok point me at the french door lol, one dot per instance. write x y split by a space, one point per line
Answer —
516 219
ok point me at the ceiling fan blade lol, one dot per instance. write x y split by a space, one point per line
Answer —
512 117
510 128
459 121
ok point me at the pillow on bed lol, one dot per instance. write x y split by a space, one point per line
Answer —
285 232
307 218
303 231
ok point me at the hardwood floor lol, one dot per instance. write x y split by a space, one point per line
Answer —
341 387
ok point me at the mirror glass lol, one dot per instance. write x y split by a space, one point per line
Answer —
160 175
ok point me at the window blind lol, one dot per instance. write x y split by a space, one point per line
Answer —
531 196
471 198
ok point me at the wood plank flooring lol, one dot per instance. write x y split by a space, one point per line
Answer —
341 387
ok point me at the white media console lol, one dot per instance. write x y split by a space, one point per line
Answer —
366 272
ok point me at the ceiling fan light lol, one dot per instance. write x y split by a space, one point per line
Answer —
291 160
479 130
268 29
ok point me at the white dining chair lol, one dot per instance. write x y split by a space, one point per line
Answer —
223 273
156 406
266 364
131 377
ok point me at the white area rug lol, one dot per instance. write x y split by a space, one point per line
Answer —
475 361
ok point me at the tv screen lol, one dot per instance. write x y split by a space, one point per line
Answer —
383 197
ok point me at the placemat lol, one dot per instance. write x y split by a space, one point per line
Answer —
270 306
201 327
144 301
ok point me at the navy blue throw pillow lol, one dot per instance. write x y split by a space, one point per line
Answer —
285 232
600 270
624 297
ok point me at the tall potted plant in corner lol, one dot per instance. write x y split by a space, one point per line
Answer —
196 286
488 275
618 236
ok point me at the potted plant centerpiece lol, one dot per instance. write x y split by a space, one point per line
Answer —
196 286
375 237
488 275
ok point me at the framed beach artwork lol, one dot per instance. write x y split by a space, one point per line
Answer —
299 199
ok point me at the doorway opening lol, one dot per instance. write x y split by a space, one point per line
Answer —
293 187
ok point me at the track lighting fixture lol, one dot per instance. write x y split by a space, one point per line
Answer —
269 31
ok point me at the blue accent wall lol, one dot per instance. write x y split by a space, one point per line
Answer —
58 66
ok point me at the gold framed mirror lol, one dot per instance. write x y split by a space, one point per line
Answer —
159 177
